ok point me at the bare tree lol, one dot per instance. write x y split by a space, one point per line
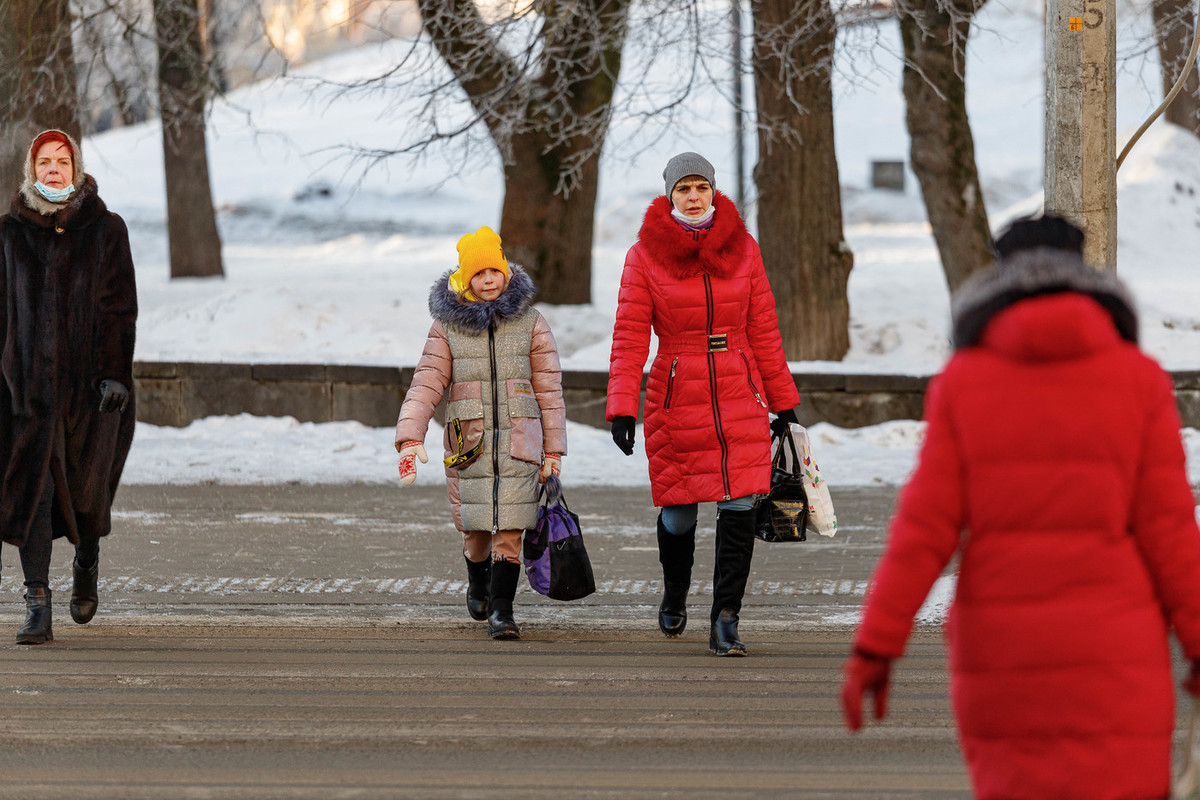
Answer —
195 244
37 79
1174 28
799 194
934 33
547 111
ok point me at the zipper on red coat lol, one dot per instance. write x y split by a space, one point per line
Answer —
670 385
750 379
495 431
712 389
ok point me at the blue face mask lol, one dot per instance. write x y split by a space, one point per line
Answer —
54 195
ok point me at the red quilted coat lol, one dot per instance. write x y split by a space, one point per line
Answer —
1052 465
720 362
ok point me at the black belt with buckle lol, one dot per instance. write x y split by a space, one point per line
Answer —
717 343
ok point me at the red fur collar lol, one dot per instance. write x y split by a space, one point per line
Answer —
718 252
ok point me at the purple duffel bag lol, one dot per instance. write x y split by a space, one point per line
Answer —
556 562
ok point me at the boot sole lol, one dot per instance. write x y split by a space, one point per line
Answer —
79 618
733 651
505 634
38 639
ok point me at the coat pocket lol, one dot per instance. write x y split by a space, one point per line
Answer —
750 380
463 441
525 418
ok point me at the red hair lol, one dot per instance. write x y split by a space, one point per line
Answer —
51 136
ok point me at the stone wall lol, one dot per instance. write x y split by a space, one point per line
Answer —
178 393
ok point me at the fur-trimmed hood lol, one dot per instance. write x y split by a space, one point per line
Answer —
34 199
719 251
81 209
1031 273
479 315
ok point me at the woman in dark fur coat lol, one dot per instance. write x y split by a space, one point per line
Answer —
506 426
66 405
696 278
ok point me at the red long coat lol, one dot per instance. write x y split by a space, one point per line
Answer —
1052 465
707 432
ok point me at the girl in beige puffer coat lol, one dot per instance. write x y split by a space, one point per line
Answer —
505 420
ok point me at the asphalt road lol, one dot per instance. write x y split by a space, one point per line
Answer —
311 642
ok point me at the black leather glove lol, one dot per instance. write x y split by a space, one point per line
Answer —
779 425
623 433
113 395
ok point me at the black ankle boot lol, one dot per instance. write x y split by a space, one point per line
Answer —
676 552
479 577
501 624
36 629
84 597
735 548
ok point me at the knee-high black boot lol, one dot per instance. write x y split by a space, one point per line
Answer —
676 553
37 628
501 625
85 570
479 577
735 548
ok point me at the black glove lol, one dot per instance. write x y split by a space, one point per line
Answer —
622 433
113 395
779 425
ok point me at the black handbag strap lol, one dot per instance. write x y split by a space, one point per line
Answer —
780 459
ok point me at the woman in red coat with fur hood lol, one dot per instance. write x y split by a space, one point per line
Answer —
1052 465
696 278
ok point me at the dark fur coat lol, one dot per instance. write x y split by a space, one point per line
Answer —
67 323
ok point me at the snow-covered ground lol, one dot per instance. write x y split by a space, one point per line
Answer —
343 278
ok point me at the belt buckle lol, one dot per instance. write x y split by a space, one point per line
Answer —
717 343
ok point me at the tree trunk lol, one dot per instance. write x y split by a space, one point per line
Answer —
547 231
942 148
37 80
549 125
195 245
1174 27
799 194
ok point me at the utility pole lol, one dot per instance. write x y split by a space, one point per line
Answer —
739 127
1081 121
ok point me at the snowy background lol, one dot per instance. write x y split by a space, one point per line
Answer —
328 262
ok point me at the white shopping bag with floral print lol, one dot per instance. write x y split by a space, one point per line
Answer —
821 517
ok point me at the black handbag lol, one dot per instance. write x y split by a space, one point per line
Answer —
782 514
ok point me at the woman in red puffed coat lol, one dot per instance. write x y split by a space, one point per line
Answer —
696 278
1052 466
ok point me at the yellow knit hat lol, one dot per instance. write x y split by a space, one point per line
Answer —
476 252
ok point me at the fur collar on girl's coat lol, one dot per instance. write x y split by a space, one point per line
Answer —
476 316
718 252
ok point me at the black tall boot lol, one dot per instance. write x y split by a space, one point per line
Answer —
501 624
479 577
735 547
85 570
676 553
36 629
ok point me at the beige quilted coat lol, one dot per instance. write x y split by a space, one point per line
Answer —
500 363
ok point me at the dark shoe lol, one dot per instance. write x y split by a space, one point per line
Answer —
735 549
84 598
36 629
479 577
501 625
672 612
676 552
723 635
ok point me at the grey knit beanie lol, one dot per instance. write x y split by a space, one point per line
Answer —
684 164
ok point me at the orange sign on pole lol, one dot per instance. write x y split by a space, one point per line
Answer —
1075 23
